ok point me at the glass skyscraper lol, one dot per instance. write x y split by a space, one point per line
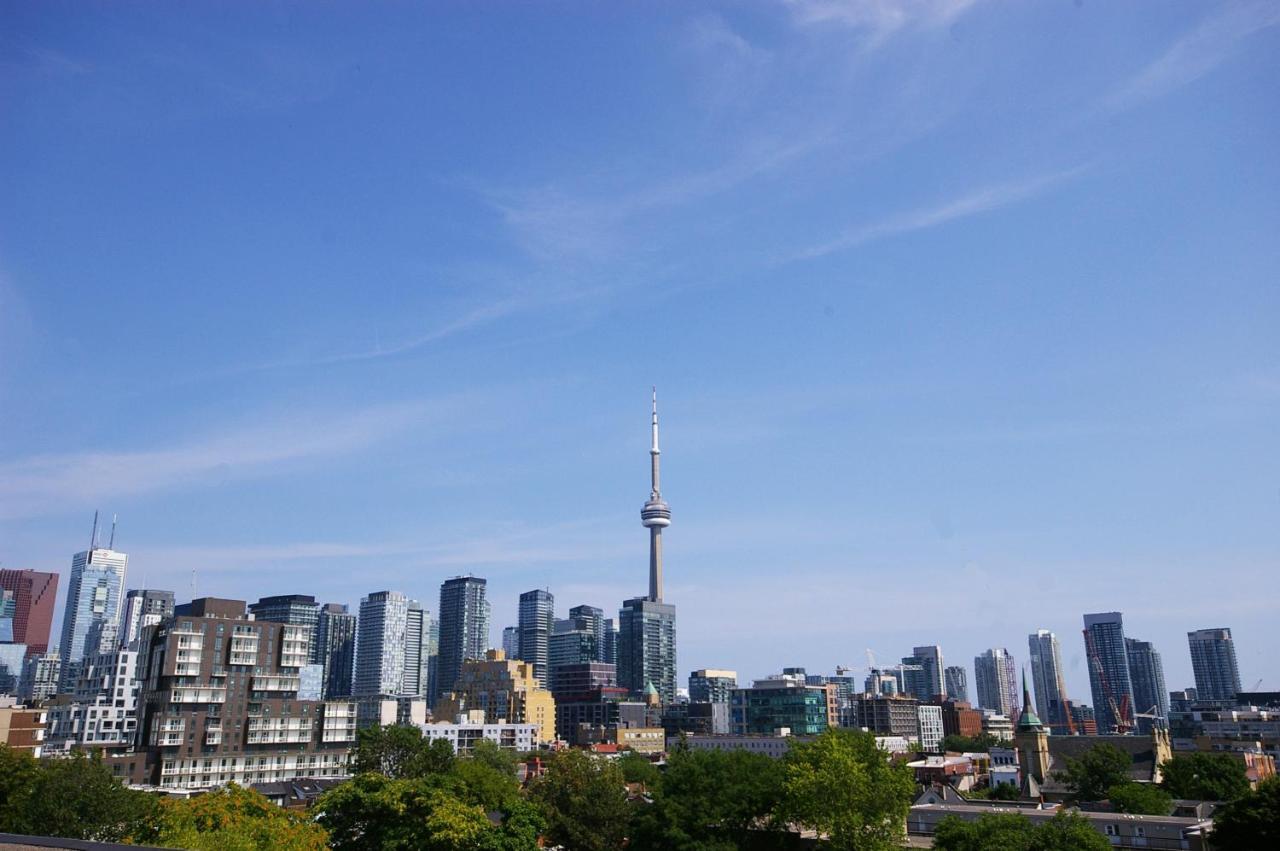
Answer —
647 647
94 595
294 609
464 629
336 649
537 618
1213 660
996 679
380 641
1146 676
1046 677
957 682
1109 681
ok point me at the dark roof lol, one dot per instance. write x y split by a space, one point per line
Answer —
14 840
1061 748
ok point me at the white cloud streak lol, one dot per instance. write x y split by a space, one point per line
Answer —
46 483
975 203
880 18
1196 53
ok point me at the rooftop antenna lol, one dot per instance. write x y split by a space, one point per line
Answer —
193 583
93 537
112 544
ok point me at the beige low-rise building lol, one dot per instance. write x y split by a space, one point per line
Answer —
506 690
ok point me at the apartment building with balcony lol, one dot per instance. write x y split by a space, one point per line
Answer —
219 704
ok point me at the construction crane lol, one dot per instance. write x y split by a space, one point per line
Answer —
1121 719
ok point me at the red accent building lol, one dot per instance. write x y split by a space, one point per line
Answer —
33 594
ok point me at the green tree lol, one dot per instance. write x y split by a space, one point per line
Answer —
483 785
1205 777
522 824
490 753
1066 831
231 819
75 797
1090 777
637 768
1250 821
400 752
584 801
845 787
1008 832
712 800
980 743
374 811
1141 799
999 792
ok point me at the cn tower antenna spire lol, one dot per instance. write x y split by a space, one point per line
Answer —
656 514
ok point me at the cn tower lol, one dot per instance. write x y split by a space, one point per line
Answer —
656 514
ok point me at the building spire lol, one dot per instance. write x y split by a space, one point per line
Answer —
656 514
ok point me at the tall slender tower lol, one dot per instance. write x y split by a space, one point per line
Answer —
656 514
646 643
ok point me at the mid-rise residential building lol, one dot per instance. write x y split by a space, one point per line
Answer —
335 649
219 704
705 718
94 595
464 731
783 702
464 628
1146 677
712 685
1213 660
537 617
997 724
33 594
960 719
381 633
996 676
102 711
957 682
506 690
40 676
144 607
22 728
1047 678
929 728
889 715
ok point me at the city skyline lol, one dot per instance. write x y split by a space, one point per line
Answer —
906 365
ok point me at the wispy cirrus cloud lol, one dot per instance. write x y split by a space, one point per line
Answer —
980 201
54 482
880 18
1196 53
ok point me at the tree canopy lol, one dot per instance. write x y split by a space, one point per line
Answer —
712 800
1091 777
584 800
399 752
1066 831
1250 821
1205 777
980 743
75 797
1142 799
232 818
842 785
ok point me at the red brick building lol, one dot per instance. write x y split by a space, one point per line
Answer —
33 594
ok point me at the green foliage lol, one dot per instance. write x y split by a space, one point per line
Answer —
400 752
842 785
997 830
712 800
1141 799
1012 832
1205 777
231 819
488 752
1099 768
980 743
480 784
74 797
584 801
637 768
999 792
433 813
1250 821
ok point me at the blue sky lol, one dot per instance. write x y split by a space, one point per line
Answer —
963 315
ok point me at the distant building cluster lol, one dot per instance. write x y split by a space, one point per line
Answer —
189 695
